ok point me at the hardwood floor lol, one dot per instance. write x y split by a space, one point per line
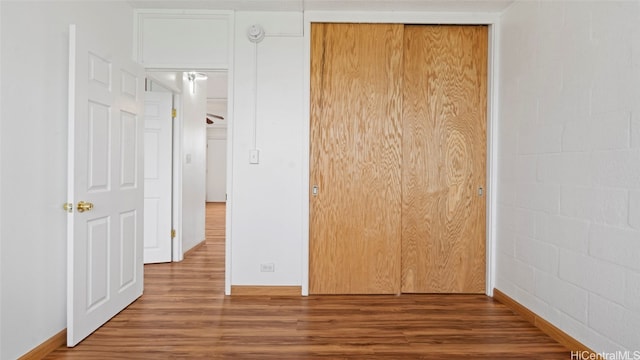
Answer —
184 314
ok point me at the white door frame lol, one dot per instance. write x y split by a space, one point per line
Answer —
178 155
176 181
178 254
490 19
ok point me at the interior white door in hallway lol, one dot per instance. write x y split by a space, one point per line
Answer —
157 176
105 184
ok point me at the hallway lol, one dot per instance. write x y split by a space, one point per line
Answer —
184 314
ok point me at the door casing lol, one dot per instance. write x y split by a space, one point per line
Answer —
492 20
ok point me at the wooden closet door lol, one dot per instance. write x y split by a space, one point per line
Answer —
444 152
355 158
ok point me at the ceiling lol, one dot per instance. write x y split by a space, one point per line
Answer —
328 5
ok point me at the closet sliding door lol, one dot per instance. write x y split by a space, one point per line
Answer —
397 159
444 159
355 159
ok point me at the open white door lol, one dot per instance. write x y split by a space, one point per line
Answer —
105 184
157 176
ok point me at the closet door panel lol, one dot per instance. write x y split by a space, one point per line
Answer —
444 159
355 158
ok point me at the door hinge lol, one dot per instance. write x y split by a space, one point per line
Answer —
173 233
174 113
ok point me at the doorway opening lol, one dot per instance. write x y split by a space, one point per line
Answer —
199 152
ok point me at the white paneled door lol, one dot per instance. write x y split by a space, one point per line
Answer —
157 176
105 184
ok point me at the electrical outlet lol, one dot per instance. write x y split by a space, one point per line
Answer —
268 267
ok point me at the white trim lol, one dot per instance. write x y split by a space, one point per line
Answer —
230 142
491 19
139 15
71 113
178 254
492 153
401 17
1 178
177 67
306 139
176 186
187 12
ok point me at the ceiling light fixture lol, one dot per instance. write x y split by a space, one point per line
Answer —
193 76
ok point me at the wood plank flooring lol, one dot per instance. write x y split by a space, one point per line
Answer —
184 314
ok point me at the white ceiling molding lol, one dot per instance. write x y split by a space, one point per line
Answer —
408 5
241 5
329 5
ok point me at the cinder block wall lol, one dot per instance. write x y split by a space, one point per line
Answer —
568 242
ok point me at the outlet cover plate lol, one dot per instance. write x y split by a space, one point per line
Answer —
268 267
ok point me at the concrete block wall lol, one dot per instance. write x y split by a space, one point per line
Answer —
568 237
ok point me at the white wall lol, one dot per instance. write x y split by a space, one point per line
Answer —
569 167
217 164
217 139
33 147
194 162
266 197
217 107
1 117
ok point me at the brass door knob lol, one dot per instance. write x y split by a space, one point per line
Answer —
84 206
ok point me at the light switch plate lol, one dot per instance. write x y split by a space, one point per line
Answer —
254 156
